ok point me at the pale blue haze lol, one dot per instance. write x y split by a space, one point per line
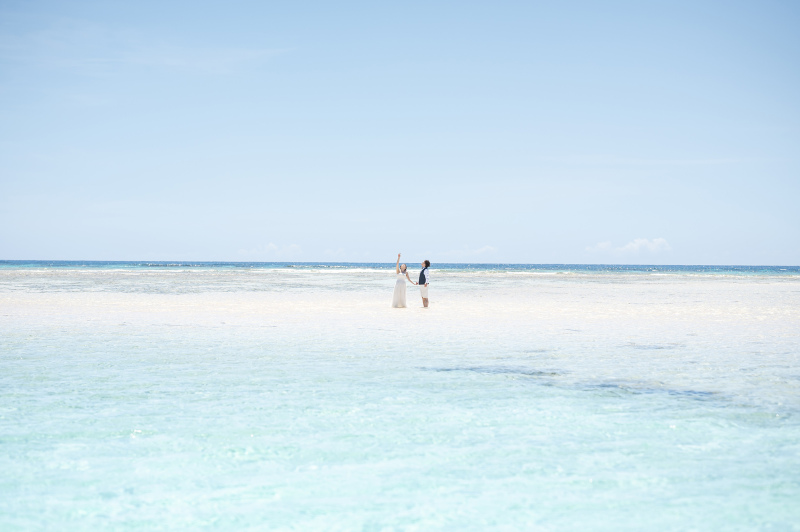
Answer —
521 132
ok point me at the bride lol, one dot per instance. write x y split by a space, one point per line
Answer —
399 298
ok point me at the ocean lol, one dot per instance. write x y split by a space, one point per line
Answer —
291 396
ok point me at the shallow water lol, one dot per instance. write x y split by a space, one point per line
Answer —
297 399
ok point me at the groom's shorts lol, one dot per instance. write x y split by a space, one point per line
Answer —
423 290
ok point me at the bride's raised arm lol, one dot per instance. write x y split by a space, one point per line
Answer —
397 266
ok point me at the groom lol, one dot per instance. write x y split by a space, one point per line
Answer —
424 279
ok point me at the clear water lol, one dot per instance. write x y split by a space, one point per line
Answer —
292 397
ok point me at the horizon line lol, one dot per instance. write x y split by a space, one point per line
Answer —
389 263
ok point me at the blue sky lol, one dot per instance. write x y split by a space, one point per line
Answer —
560 132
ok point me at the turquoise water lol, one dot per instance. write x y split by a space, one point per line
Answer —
272 397
593 268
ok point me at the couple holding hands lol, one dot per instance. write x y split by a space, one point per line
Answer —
399 298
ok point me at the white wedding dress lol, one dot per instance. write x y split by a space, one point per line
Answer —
399 298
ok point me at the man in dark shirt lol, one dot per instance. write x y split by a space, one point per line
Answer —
424 279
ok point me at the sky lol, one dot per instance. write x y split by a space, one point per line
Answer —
519 132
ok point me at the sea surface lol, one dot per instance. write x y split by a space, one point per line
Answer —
291 396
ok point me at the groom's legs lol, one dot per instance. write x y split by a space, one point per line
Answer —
425 302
